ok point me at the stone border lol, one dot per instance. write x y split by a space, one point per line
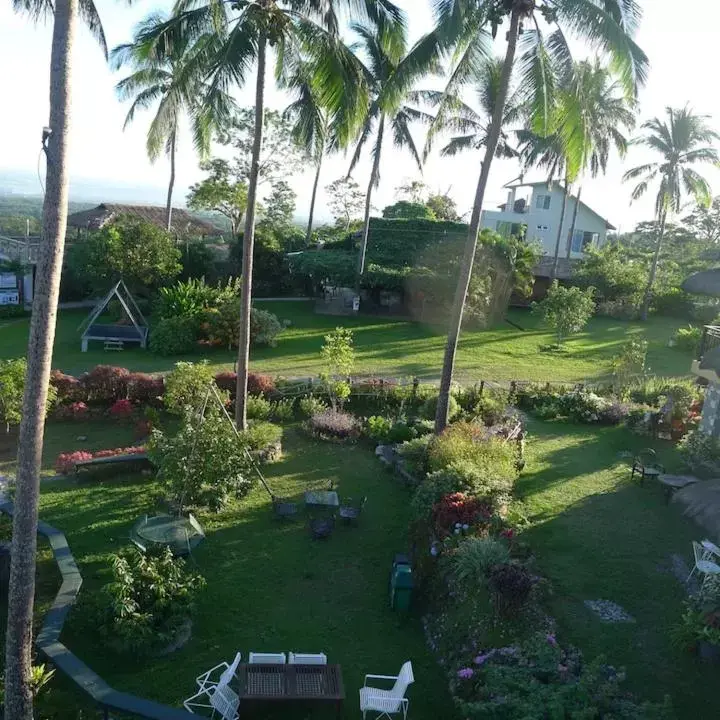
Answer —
48 639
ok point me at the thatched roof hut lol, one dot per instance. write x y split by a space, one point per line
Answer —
183 223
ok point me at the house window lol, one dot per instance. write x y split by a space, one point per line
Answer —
506 229
542 202
582 240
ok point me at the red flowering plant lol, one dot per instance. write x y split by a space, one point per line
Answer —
75 411
458 513
66 462
68 387
145 389
122 409
105 383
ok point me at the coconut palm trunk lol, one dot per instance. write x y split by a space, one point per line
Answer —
653 269
171 185
573 224
466 268
243 361
19 636
556 259
368 204
311 218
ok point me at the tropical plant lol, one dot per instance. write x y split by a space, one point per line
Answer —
177 90
232 41
682 140
390 71
566 310
462 30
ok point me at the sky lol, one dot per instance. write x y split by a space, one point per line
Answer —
682 47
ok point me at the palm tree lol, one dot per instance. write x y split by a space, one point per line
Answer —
607 26
165 80
390 72
595 114
311 126
229 39
683 140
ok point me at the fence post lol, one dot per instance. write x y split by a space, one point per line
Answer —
482 388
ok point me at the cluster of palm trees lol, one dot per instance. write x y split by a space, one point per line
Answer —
572 114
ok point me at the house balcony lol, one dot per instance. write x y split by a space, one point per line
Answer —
707 362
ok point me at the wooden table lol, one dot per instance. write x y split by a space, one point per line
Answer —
288 683
322 498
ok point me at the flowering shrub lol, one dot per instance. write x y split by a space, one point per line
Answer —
145 389
121 409
458 511
333 424
66 462
526 680
68 387
105 383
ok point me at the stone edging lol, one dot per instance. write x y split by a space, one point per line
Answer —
48 639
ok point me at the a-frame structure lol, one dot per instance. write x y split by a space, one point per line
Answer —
115 336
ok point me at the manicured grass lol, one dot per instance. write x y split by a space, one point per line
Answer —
270 587
597 536
396 348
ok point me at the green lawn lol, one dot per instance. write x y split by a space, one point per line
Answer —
270 586
597 536
396 348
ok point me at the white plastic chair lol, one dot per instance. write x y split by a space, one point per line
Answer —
207 679
267 659
217 697
703 561
387 702
307 659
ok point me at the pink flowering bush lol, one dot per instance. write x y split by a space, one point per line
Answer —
121 409
75 411
66 462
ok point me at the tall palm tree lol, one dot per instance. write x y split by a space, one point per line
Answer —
165 80
231 39
390 72
596 113
311 126
682 140
605 25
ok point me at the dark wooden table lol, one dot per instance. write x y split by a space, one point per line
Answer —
288 683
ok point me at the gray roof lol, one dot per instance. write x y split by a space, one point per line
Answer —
706 282
183 222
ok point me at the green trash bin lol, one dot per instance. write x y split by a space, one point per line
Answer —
401 586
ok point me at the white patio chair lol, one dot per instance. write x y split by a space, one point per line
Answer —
703 561
214 675
307 658
218 697
387 702
267 659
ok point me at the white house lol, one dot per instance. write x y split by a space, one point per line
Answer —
538 206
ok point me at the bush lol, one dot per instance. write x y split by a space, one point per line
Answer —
12 389
259 384
653 391
186 387
74 411
378 428
203 463
333 425
566 309
173 336
414 455
264 328
283 410
701 452
309 406
475 558
12 311
429 408
150 597
68 388
190 299
227 381
257 408
687 339
121 409
145 389
66 462
105 384
510 586
261 435
457 512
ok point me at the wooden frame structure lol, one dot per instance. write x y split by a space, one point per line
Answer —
116 334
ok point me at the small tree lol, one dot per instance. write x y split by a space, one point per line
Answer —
204 463
406 210
12 387
444 207
566 309
345 200
629 364
186 387
339 357
221 191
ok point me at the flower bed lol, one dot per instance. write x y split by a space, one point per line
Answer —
66 463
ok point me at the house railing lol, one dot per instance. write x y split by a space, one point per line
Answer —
709 341
24 251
